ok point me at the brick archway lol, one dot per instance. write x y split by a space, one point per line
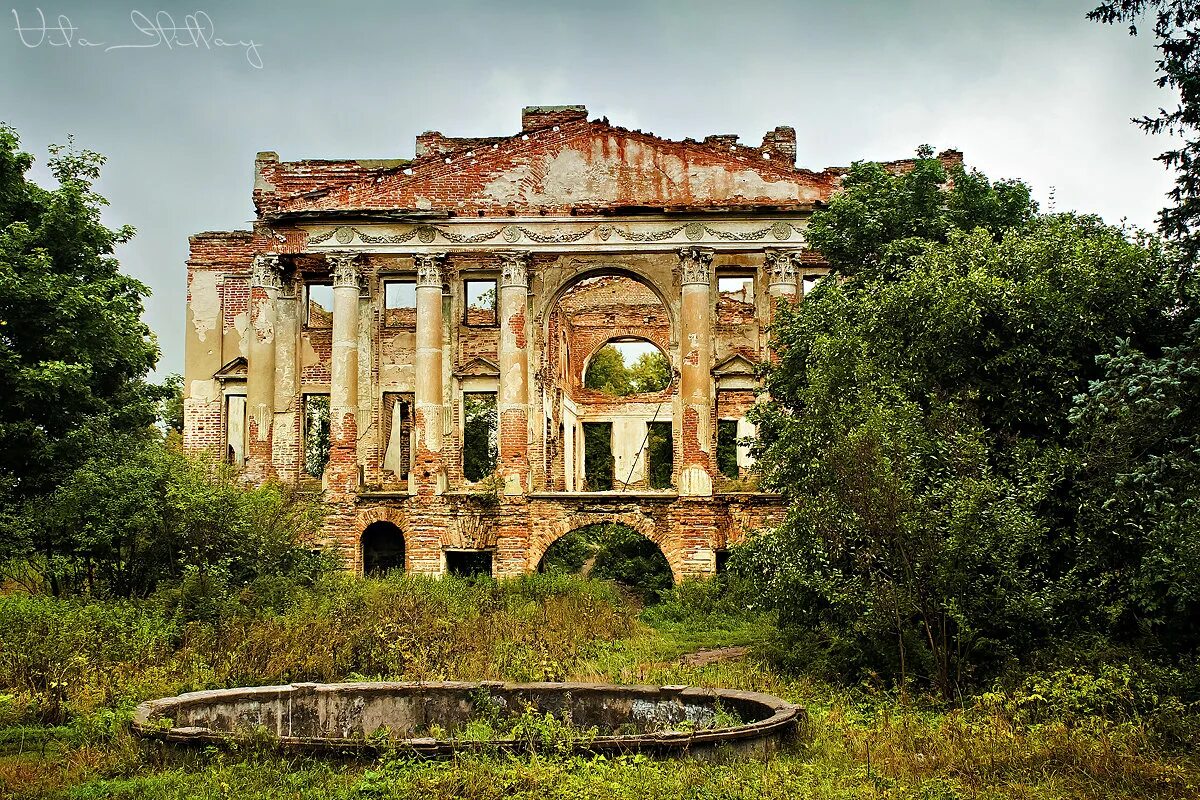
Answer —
634 520
367 517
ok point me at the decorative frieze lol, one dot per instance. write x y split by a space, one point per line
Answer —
695 265
556 234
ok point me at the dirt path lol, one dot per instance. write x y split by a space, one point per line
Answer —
702 658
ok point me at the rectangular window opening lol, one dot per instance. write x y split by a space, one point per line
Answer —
235 430
400 303
598 461
469 563
480 437
810 282
397 435
316 434
481 302
318 304
727 463
736 288
660 455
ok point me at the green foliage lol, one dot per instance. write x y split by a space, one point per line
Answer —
170 407
1175 24
608 373
611 552
73 349
922 423
143 512
650 373
881 216
63 658
479 435
660 454
1138 432
598 460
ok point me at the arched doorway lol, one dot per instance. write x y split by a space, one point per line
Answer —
382 549
611 551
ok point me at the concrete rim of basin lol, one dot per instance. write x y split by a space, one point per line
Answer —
779 722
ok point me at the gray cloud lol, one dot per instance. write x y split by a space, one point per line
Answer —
1028 90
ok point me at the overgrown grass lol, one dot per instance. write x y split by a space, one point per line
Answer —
1060 734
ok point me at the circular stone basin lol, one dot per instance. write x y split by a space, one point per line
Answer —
439 719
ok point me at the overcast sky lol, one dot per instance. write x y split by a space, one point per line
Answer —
1026 89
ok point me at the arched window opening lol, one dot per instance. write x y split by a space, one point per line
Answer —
611 551
626 366
382 549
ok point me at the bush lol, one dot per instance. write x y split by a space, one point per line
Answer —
144 513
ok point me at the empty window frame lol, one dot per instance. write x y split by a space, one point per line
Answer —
727 461
235 429
316 434
400 303
469 563
809 282
318 305
397 434
598 461
480 437
480 303
736 287
660 455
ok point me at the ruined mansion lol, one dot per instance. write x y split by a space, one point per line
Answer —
422 340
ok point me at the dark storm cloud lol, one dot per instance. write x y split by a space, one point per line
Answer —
1026 89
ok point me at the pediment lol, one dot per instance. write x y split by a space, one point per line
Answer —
235 370
736 365
587 166
478 367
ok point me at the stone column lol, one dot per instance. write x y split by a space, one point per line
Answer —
285 432
696 397
429 399
781 273
512 404
265 281
342 473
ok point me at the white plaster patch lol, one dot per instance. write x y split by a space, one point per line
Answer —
206 390
205 303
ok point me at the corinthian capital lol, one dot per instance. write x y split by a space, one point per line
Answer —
782 266
266 272
514 268
696 265
429 269
344 267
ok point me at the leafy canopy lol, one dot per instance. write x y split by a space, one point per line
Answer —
923 426
73 348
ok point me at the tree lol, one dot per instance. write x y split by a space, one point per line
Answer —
73 348
74 351
1177 28
606 372
921 424
650 373
170 406
881 215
